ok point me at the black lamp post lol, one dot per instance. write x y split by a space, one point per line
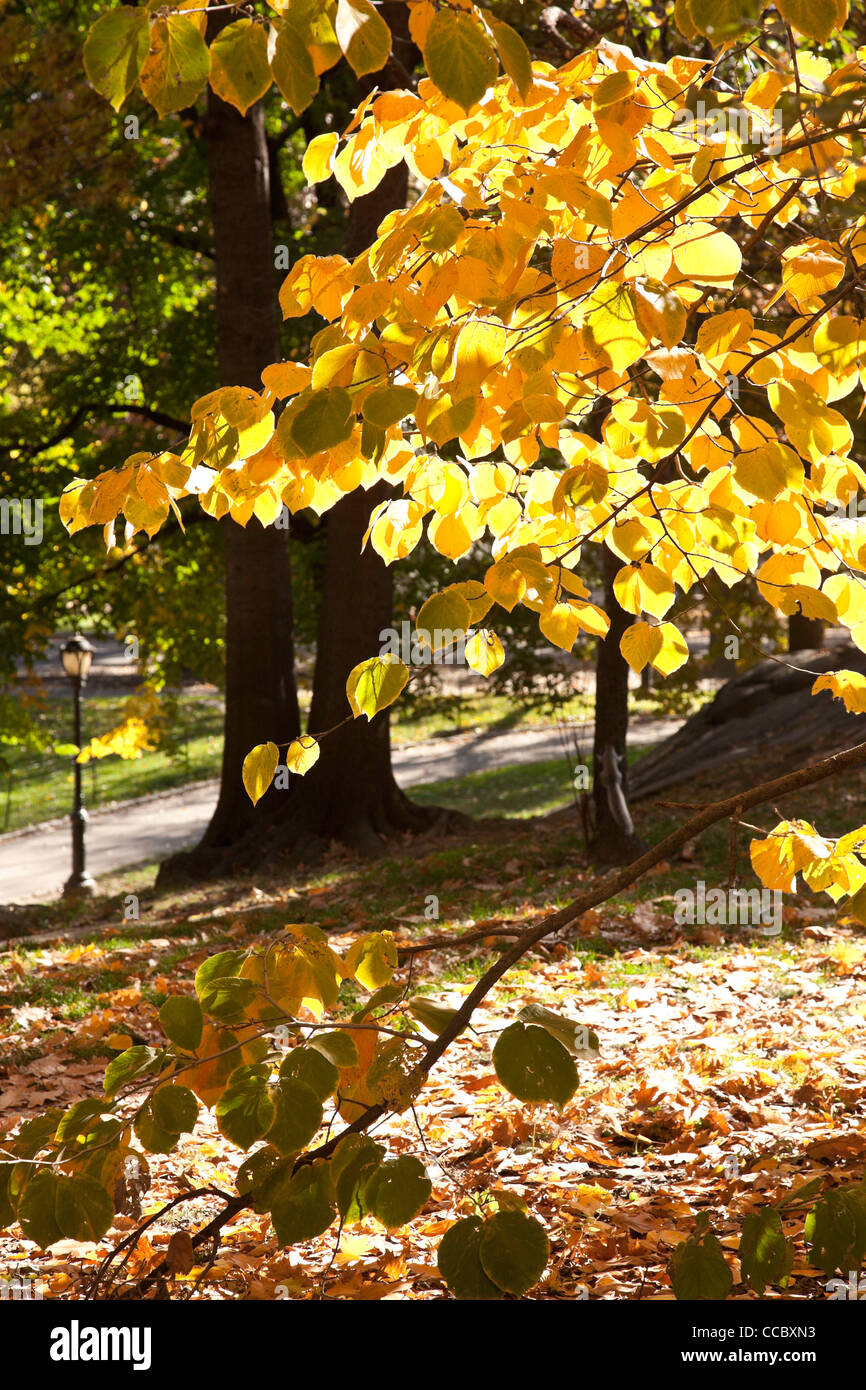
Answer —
76 655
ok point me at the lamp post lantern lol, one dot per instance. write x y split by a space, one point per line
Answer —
76 655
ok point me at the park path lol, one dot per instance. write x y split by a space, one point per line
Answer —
35 863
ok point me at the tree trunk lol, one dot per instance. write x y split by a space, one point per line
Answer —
805 634
351 795
614 840
261 696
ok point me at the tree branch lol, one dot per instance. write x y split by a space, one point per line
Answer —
610 885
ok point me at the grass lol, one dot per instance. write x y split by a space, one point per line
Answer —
519 791
38 786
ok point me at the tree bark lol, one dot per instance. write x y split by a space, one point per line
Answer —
351 795
614 839
261 701
805 634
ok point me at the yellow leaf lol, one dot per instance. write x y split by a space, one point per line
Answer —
450 535
810 270
374 684
372 960
705 255
660 312
849 686
292 66
286 378
790 847
644 589
663 647
259 767
317 157
816 19
303 753
484 652
767 471
611 323
721 333
480 348
505 583
316 282
560 625
476 596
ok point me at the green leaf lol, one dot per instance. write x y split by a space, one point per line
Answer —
272 1181
135 1061
373 441
442 228
722 20
153 1136
363 36
534 1066
115 50
856 905
836 1230
177 66
260 1165
356 1158
440 618
514 1251
292 67
258 770
459 58
298 1114
240 72
766 1255
398 1190
389 404
83 1208
175 1109
34 1134
579 1040
434 1017
388 994
7 1209
220 992
309 1065
372 960
245 1111
514 56
81 1119
374 684
460 1262
698 1270
304 1207
325 420
36 1210
338 1047
182 1021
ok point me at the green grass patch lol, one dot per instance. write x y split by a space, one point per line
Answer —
36 787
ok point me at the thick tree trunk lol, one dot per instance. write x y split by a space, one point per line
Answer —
805 634
261 696
351 795
614 839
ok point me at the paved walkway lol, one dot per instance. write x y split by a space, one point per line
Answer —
35 863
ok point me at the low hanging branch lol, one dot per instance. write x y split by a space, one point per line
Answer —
609 886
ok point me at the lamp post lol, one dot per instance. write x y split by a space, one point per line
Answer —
76 655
